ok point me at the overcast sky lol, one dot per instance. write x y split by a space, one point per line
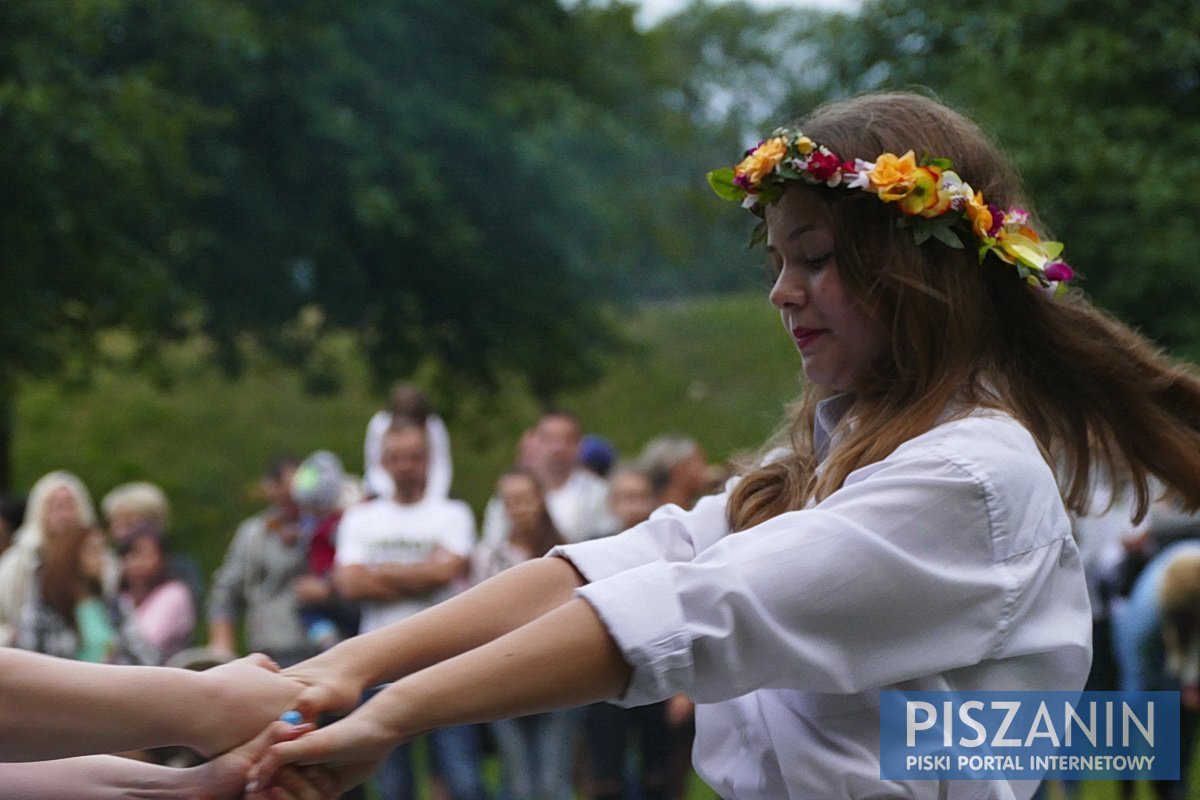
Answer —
654 10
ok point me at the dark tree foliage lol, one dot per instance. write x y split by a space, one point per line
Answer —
212 167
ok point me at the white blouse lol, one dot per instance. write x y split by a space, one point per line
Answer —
947 565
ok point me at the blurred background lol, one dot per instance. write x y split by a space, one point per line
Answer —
226 227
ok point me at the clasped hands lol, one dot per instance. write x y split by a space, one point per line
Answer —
298 762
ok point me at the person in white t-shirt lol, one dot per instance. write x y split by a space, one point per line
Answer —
907 530
399 555
406 400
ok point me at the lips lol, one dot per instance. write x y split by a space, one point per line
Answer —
806 336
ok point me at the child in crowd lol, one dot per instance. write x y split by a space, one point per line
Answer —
319 489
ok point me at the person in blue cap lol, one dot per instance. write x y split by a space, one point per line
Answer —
597 454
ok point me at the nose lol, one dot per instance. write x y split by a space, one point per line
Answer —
790 289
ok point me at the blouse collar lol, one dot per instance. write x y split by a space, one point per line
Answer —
830 413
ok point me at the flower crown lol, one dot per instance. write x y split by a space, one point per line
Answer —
935 201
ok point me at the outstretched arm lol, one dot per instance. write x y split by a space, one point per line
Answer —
56 708
562 659
112 778
337 677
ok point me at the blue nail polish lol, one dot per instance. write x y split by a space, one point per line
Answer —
292 717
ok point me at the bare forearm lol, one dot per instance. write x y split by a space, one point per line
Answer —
562 659
56 708
222 635
386 583
421 578
94 778
462 623
357 583
109 778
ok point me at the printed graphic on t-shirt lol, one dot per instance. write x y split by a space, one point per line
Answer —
399 551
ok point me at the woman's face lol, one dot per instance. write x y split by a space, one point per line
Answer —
143 562
630 497
62 512
521 501
93 555
836 339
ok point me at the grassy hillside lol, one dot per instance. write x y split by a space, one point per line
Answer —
719 370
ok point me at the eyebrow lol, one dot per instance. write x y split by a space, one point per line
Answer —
795 232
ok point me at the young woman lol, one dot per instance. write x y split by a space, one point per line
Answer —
162 606
908 530
537 750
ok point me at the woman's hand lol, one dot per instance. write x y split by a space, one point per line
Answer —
325 686
246 695
225 776
347 753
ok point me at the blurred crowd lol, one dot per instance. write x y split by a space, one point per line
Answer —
333 554
1144 585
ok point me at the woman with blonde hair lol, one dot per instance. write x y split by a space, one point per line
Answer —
132 505
57 503
908 530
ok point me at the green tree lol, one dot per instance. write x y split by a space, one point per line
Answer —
96 170
216 167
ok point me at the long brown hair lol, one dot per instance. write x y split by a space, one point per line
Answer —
544 535
62 581
1100 399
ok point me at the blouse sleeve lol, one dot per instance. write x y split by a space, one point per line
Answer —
919 564
671 534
